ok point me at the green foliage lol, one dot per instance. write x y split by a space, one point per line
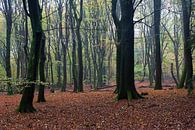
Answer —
138 71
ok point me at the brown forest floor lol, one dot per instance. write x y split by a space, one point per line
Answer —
165 109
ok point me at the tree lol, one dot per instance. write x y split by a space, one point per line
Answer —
118 49
188 67
157 17
26 103
126 85
41 95
74 67
60 41
79 48
77 76
64 47
8 11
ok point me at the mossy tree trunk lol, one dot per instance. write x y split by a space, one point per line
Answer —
183 78
26 103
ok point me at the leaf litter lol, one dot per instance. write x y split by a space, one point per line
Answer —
91 110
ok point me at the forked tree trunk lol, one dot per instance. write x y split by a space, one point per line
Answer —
126 87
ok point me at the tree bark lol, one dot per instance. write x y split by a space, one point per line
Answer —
41 95
186 10
126 87
157 17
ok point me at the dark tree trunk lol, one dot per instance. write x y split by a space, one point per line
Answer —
157 17
41 95
74 67
60 41
80 60
186 9
126 87
63 88
26 103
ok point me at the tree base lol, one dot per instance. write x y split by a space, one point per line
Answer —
129 95
26 109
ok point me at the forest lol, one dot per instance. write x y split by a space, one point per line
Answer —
97 64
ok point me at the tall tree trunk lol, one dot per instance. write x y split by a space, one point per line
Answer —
64 47
74 67
80 60
41 95
127 88
60 41
157 17
26 103
63 88
186 10
79 48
